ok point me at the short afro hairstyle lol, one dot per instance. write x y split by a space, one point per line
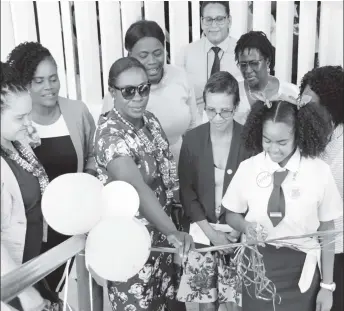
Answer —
26 57
256 40
311 124
222 82
327 82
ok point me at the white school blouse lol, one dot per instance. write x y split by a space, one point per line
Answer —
311 196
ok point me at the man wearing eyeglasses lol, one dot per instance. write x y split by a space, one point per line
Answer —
213 52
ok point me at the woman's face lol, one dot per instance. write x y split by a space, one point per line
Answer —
278 140
15 116
131 109
253 66
220 109
151 53
45 85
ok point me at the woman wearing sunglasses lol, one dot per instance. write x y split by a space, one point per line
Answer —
209 158
131 146
255 57
172 98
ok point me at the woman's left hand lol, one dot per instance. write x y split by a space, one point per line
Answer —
182 241
324 300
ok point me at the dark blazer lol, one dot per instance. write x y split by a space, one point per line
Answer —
196 172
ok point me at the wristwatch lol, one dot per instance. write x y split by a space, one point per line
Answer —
331 287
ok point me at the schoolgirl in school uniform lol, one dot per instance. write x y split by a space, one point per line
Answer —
288 191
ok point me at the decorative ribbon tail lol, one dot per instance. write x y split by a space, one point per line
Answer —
66 277
45 230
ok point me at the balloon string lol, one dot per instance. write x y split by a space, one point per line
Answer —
91 289
65 295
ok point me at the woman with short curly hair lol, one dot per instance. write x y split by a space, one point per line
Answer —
286 190
325 86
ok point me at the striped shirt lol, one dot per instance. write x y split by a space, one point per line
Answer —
333 156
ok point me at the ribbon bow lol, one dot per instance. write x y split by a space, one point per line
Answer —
276 97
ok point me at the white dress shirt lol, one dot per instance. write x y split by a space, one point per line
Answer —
311 196
197 59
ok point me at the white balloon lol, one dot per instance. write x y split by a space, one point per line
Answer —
71 203
120 199
117 248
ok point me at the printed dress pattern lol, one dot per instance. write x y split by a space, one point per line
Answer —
209 277
157 280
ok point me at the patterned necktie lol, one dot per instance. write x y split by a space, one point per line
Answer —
276 205
216 65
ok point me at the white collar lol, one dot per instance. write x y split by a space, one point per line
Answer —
292 165
224 45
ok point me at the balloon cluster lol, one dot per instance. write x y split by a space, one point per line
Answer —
117 245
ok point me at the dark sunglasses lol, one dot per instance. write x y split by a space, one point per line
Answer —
128 92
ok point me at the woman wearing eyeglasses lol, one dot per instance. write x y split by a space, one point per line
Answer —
209 158
254 54
172 98
130 145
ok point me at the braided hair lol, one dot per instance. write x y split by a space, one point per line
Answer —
10 84
26 57
256 40
327 82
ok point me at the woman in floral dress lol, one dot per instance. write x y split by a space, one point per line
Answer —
131 146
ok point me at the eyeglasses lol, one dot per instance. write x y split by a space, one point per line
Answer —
128 92
224 113
219 20
254 64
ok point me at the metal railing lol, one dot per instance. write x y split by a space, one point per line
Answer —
31 272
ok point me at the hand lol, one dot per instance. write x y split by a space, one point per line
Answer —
31 300
324 300
182 241
255 231
219 238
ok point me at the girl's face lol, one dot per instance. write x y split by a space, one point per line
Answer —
150 53
15 116
45 85
278 141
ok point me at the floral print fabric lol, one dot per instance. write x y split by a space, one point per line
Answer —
209 277
156 282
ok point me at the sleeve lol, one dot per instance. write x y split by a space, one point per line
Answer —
109 147
89 131
7 263
331 205
191 102
188 196
234 199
